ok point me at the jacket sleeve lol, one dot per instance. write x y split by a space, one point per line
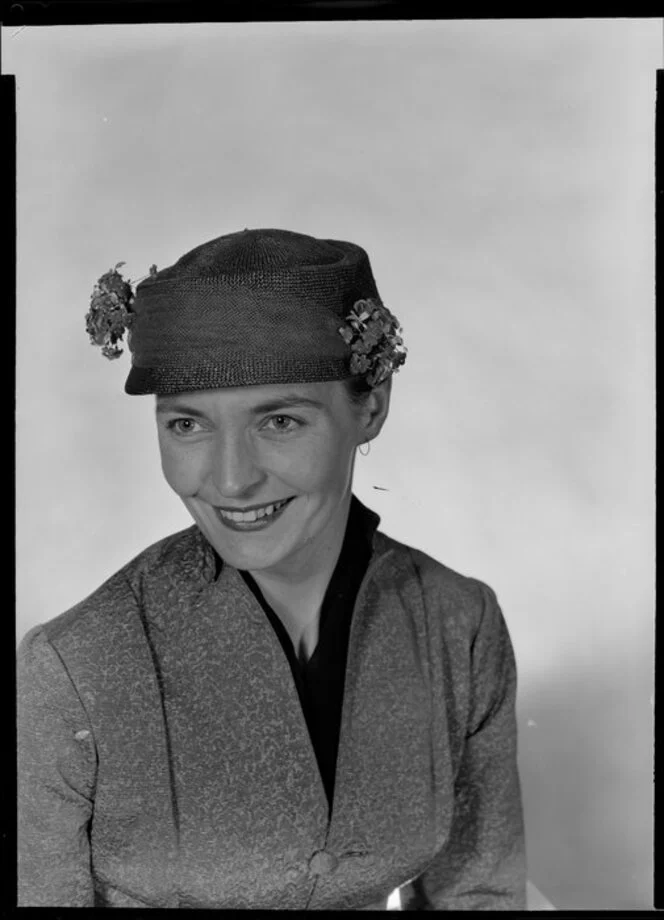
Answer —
56 779
482 866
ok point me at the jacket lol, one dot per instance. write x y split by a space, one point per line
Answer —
164 760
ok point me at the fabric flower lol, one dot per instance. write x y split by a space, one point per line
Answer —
110 316
372 333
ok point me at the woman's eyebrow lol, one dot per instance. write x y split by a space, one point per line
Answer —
286 402
182 408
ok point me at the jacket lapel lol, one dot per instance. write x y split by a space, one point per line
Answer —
248 788
382 803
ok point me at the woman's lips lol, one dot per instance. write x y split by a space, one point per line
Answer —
256 519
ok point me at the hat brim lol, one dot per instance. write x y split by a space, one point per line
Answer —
254 371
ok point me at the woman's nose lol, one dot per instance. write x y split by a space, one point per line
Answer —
235 470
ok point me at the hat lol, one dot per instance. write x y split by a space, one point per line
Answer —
259 307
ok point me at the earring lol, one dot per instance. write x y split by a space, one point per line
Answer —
365 453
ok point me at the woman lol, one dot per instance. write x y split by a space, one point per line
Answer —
279 707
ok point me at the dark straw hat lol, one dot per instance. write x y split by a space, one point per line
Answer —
254 307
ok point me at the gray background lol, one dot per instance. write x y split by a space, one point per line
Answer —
500 174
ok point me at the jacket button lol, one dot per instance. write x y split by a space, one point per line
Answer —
323 863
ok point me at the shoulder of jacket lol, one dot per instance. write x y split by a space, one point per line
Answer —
458 598
97 612
34 646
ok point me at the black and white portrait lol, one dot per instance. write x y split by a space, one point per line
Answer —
335 463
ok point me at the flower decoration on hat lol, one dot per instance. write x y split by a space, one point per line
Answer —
110 316
374 336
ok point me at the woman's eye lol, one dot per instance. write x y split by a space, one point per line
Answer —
282 423
182 425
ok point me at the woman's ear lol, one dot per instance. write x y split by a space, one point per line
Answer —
375 409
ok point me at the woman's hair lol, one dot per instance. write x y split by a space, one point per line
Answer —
357 389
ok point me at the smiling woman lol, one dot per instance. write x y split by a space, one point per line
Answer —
280 706
242 466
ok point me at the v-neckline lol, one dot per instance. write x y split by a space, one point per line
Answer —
276 621
270 630
300 674
333 807
364 523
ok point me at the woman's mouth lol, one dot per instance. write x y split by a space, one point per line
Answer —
255 518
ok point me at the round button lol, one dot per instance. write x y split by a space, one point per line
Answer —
323 863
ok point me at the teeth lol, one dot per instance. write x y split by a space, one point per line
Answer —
248 517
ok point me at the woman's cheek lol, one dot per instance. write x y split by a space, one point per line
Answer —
182 469
306 462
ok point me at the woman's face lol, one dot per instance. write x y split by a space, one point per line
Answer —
265 471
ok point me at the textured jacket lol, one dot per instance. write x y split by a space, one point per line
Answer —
164 760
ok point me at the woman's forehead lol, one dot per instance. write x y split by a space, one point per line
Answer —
266 397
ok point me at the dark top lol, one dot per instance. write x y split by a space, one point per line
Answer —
320 680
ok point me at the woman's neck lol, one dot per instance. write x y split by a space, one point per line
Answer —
296 592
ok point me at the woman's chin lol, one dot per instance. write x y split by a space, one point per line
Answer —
249 549
248 559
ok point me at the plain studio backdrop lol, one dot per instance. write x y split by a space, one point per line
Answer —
500 175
